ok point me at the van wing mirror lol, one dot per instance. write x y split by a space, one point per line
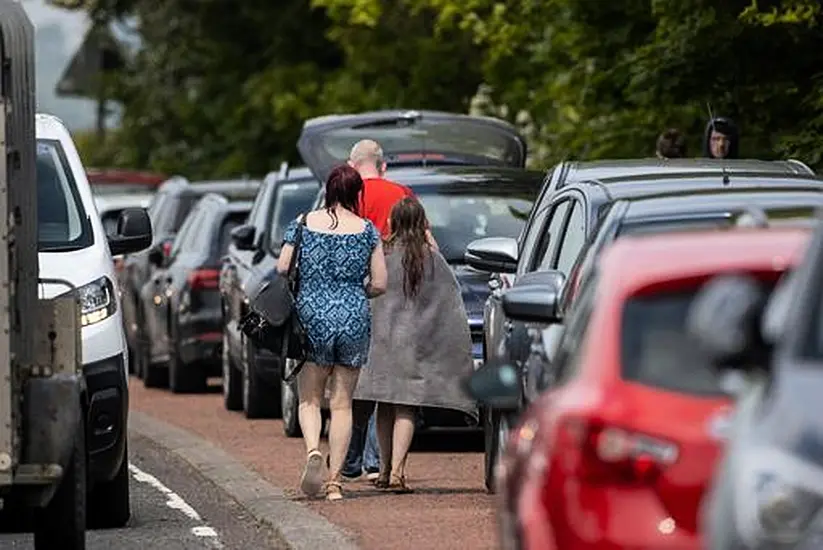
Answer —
133 232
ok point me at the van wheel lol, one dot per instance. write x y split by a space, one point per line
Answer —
259 400
62 523
232 382
289 406
109 506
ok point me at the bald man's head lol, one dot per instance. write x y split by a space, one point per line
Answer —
367 158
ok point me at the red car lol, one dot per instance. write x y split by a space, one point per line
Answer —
619 452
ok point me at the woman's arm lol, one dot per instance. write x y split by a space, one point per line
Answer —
285 258
379 276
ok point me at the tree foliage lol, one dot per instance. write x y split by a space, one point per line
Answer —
223 87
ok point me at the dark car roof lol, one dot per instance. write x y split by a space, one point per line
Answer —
649 185
729 199
615 168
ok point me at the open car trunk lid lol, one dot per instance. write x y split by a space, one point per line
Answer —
412 138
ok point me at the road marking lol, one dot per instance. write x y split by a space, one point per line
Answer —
176 502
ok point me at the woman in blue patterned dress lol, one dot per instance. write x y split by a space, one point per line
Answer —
340 266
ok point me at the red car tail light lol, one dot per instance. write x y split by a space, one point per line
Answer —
203 279
600 453
166 249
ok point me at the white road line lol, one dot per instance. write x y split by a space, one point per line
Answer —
175 502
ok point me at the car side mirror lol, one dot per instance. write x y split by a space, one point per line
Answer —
492 254
243 237
133 232
724 320
494 386
534 297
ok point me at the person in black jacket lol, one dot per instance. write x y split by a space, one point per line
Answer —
721 140
671 144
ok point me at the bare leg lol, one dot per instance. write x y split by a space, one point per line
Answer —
401 440
311 384
343 383
385 432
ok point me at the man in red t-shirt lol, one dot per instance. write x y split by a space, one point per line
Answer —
379 194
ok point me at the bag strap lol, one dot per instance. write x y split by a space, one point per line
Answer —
298 238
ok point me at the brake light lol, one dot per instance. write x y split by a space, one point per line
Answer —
166 249
203 279
600 453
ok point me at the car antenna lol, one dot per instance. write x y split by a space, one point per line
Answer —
726 179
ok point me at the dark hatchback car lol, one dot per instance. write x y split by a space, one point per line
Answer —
251 375
181 300
169 207
574 218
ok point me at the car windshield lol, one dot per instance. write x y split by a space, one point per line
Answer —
290 200
62 223
457 217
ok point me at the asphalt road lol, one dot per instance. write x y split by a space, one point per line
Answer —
173 508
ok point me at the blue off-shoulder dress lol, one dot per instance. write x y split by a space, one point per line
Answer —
331 302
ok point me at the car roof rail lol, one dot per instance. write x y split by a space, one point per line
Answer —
802 165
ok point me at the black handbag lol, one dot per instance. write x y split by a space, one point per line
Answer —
272 321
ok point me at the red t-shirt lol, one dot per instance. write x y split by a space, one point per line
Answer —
379 197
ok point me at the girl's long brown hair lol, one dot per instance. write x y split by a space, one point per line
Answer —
408 225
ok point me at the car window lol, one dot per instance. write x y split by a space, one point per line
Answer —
257 216
458 216
189 225
235 219
290 200
536 216
656 349
548 242
648 227
573 239
62 222
569 348
183 207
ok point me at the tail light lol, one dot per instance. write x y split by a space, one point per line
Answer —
599 453
166 248
203 279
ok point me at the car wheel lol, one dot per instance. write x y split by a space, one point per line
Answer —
186 378
495 435
232 381
109 506
289 407
258 398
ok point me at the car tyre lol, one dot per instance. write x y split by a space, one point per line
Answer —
62 523
289 406
495 434
232 380
259 399
185 378
109 505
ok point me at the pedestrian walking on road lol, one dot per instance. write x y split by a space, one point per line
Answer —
421 346
339 250
671 144
378 197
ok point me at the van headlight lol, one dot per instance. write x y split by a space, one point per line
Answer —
97 301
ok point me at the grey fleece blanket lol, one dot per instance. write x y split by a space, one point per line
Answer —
421 346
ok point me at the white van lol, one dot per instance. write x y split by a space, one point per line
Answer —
73 248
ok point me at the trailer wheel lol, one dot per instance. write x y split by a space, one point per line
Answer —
109 506
62 523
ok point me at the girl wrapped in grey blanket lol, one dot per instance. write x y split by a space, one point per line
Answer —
420 342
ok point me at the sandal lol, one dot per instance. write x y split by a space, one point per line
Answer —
382 481
399 486
334 491
312 480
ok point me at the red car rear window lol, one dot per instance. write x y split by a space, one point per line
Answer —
655 350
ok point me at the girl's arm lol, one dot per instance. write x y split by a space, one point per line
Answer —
379 276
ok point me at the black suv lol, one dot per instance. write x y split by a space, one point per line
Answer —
251 376
549 249
169 207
